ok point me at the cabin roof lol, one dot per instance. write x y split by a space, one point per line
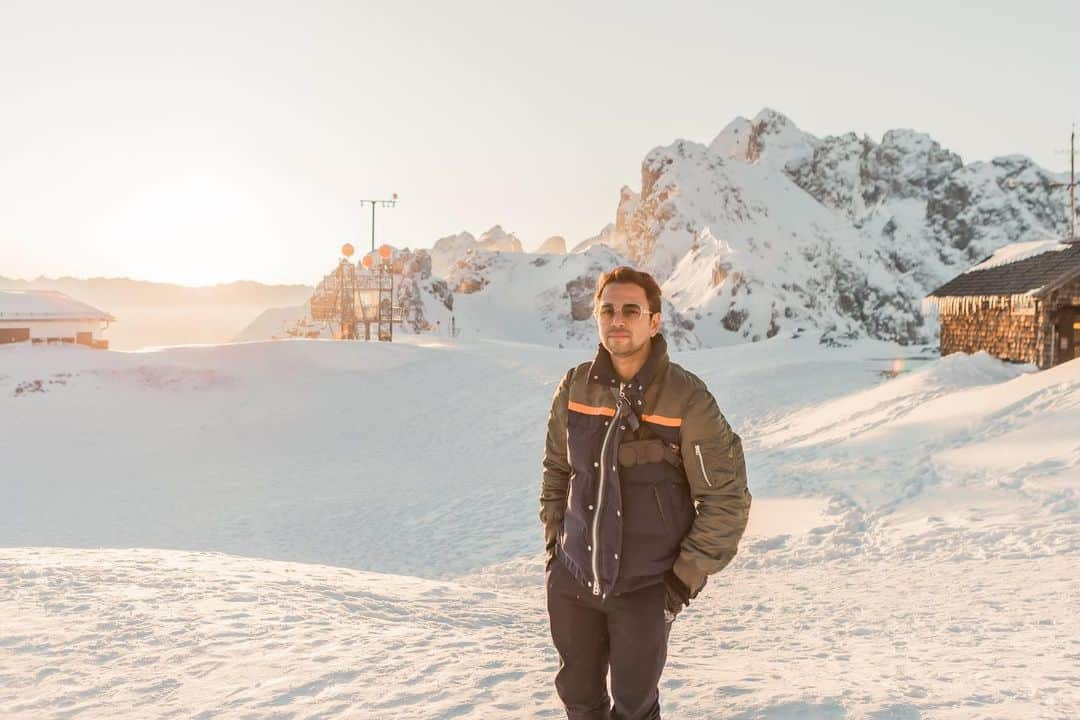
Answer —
30 305
1031 274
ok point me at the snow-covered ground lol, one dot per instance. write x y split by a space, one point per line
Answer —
316 529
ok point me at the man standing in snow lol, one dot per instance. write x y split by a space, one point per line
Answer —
644 495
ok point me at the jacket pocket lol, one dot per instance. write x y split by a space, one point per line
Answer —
714 464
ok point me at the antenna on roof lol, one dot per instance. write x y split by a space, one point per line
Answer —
1012 183
1072 184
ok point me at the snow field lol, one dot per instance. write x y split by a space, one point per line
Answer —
911 554
406 458
155 633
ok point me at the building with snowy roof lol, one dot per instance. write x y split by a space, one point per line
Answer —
1022 304
49 316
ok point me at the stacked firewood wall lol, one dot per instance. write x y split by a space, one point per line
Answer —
997 330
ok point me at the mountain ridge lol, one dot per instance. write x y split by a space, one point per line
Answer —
841 235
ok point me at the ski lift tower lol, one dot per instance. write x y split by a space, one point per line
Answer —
347 289
334 300
384 312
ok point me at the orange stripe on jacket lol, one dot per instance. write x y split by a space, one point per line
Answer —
591 409
661 420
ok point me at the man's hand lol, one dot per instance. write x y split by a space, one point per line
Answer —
678 595
689 575
551 538
556 482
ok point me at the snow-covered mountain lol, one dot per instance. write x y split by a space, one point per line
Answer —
543 299
769 229
498 240
765 231
450 249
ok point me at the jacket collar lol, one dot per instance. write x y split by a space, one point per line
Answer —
602 372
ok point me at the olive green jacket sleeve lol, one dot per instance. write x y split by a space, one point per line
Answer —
556 479
716 470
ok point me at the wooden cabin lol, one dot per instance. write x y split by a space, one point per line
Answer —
1020 304
48 316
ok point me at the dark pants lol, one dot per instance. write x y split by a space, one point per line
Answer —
626 633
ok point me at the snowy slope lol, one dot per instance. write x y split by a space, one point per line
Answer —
911 554
745 271
273 322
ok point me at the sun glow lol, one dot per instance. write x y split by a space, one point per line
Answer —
197 228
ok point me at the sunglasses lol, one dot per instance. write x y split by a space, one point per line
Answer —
630 312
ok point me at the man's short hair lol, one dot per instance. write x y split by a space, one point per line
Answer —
627 274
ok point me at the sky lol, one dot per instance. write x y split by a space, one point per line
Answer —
197 142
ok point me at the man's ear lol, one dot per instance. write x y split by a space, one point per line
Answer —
654 324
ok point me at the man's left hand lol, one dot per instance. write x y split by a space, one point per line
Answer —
678 595
688 573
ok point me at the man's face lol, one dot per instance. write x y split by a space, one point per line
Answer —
624 336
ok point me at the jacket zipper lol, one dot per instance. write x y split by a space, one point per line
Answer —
660 506
600 493
697 450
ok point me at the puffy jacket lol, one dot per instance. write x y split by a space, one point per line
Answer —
620 515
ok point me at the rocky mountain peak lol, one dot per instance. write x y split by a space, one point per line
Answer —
769 137
448 250
498 240
554 245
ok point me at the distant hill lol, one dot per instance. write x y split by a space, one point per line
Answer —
154 314
124 291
